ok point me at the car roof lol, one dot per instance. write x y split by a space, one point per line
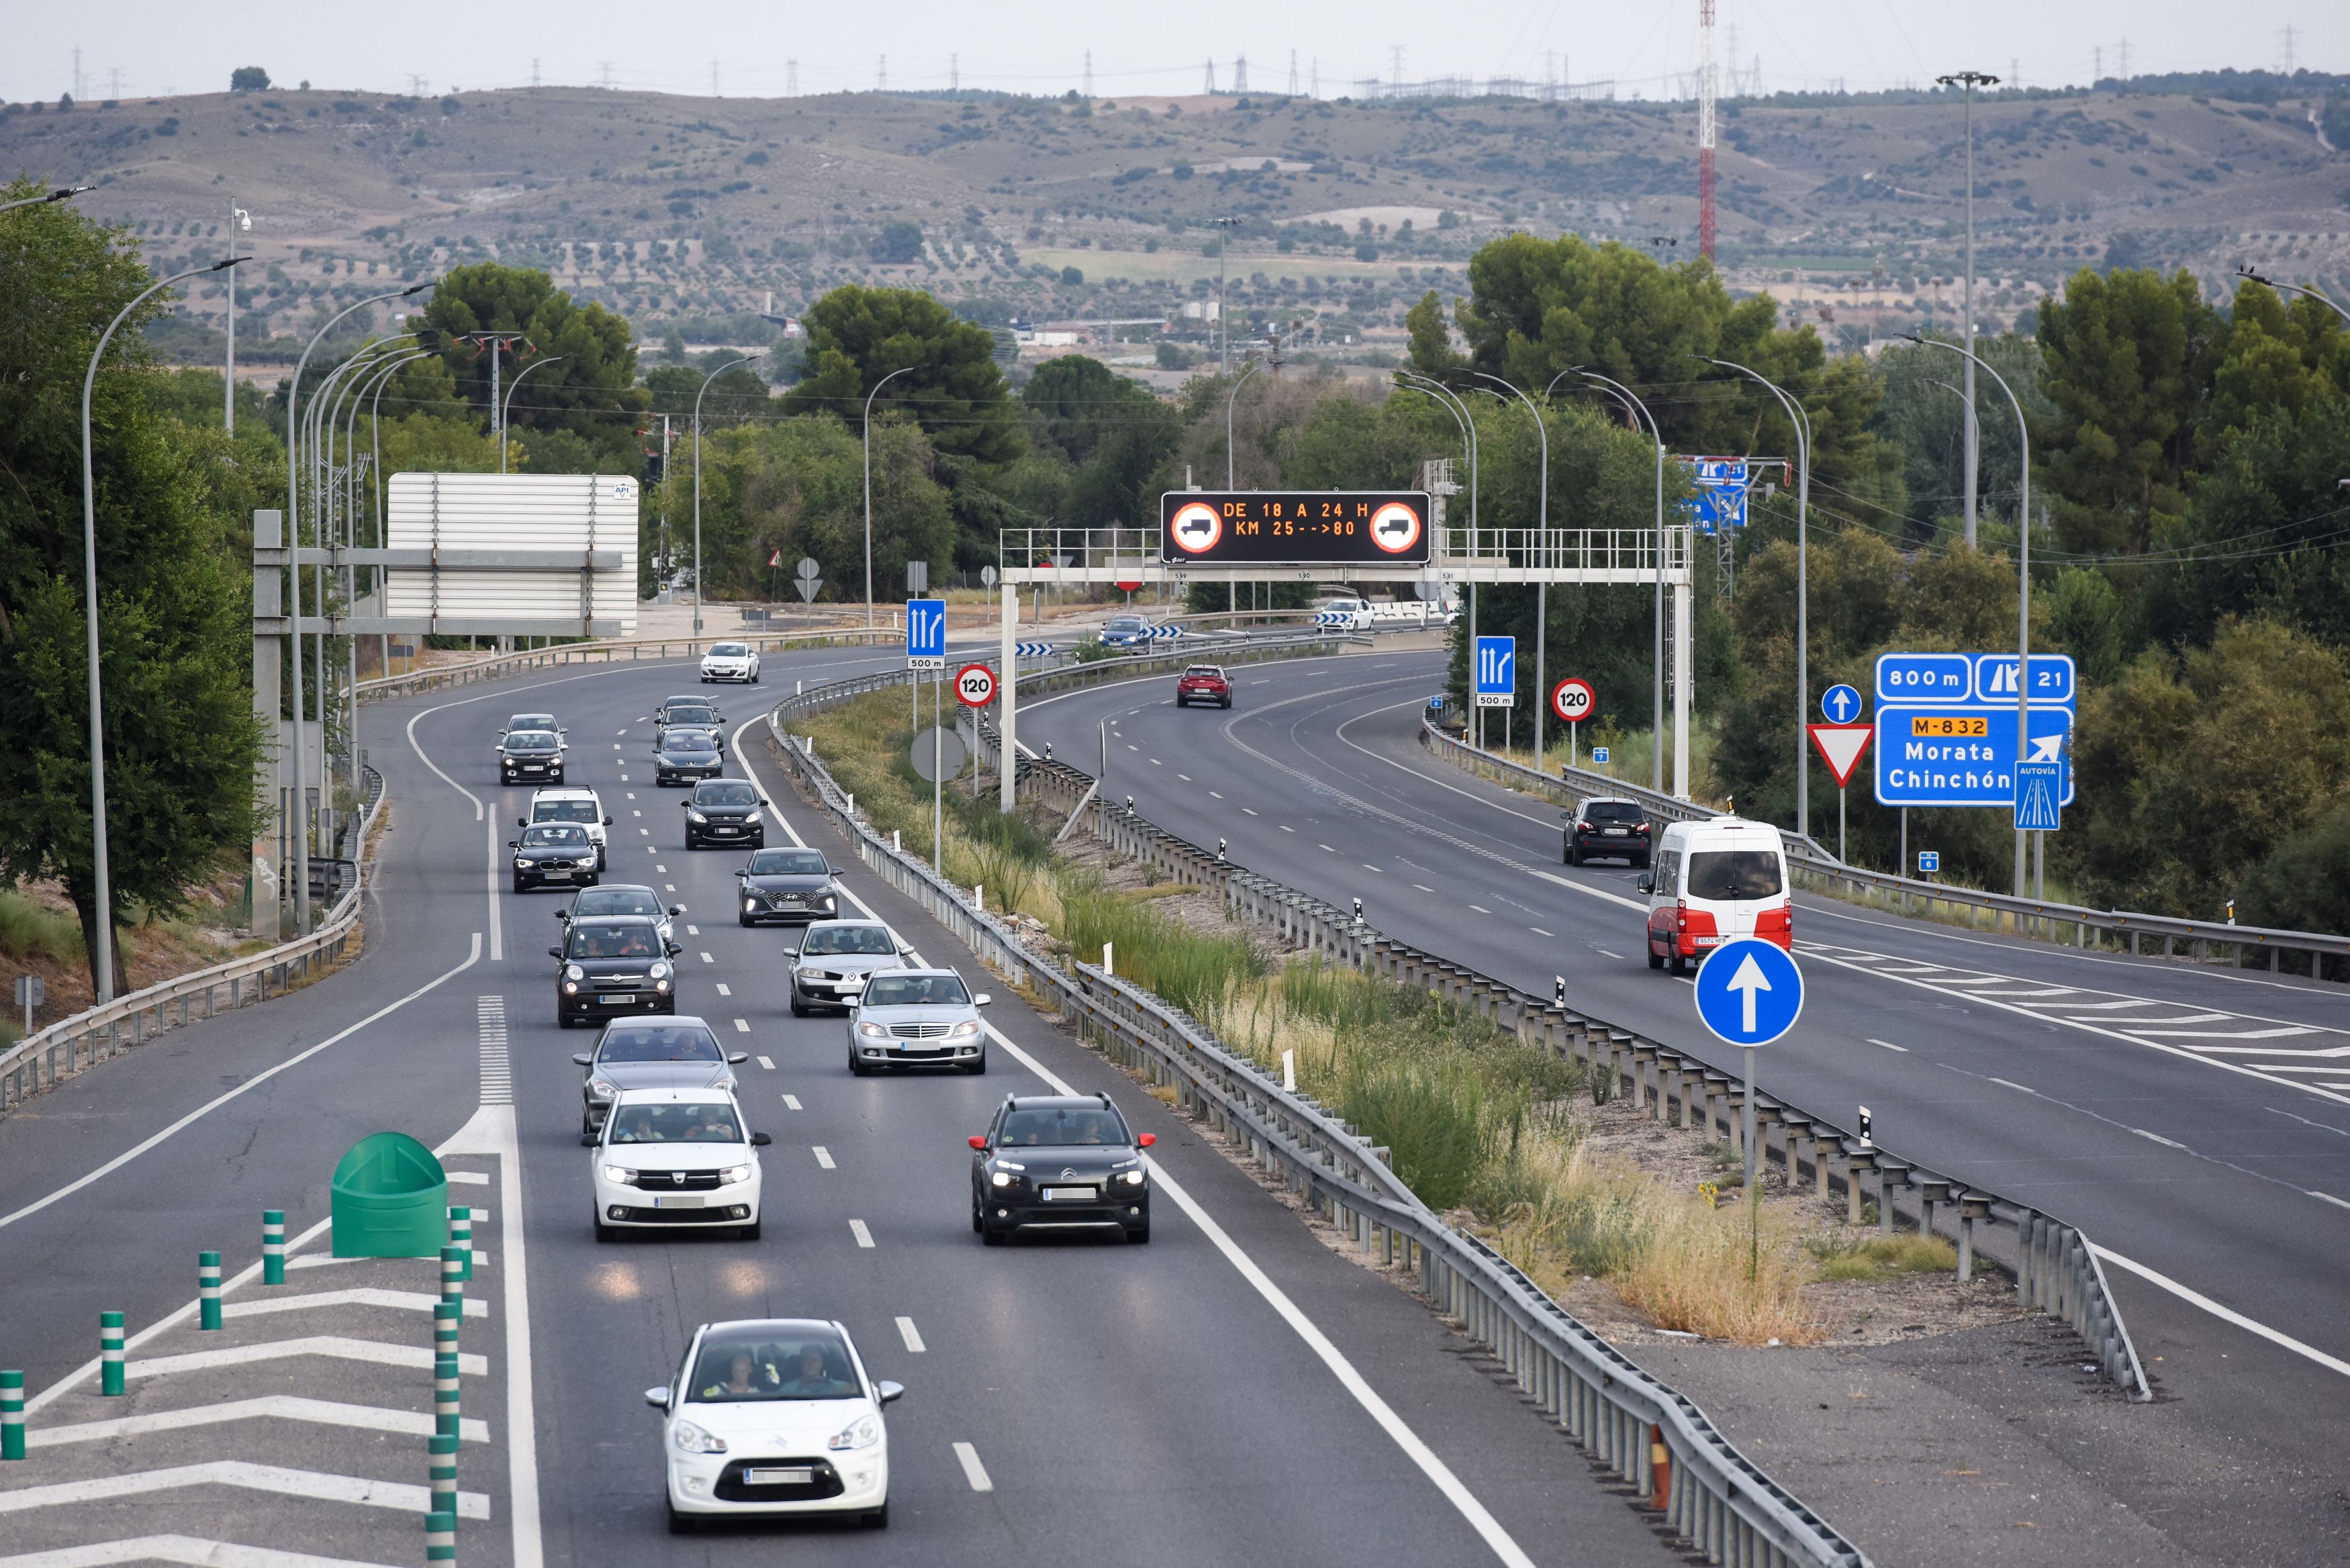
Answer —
780 1326
691 700
617 888
561 792
628 1096
664 1021
1611 800
1059 1102
848 920
614 920
547 716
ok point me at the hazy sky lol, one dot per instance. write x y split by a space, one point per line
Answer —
161 47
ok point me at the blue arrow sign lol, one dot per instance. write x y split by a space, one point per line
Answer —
1497 665
926 629
1749 991
1841 703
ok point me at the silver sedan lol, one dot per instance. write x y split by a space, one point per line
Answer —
833 960
917 1017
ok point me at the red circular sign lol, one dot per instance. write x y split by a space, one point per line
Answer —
1126 588
1572 700
1395 528
1195 527
974 686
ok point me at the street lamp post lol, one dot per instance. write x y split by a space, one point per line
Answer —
102 877
62 193
2251 275
1656 655
869 493
1468 423
1541 589
527 369
1224 327
237 218
1232 588
1970 80
697 489
1803 426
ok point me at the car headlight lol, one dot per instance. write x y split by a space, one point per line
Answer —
603 1088
750 905
660 970
1010 1165
571 988
695 816
573 972
1001 1179
752 820
521 864
863 1433
1132 1178
692 1439
621 1174
964 1030
873 1031
733 1174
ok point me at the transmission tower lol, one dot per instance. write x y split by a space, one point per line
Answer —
1089 73
1210 88
114 79
954 73
1240 73
881 76
1397 52
605 65
791 79
1317 78
1705 129
1293 73
79 91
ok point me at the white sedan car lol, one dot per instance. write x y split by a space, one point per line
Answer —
667 1158
774 1416
731 661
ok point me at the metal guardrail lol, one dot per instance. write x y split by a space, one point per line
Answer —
1706 1490
610 651
46 1057
2066 924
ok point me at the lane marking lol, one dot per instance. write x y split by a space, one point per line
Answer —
2005 1084
1540 933
769 1064
972 1470
313 1484
791 1102
911 1336
364 1296
724 989
707 959
268 1406
693 931
2157 1137
1889 1045
2226 1315
864 1237
823 1157
743 1026
336 1346
1481 909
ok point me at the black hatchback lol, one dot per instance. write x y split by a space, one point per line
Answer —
1054 1162
684 756
724 811
611 964
553 855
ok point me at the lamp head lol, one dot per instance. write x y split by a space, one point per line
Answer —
232 261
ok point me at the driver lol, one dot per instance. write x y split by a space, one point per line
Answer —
811 1379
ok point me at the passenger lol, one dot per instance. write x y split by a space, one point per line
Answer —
813 1381
743 1380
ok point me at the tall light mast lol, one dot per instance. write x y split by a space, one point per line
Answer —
1705 129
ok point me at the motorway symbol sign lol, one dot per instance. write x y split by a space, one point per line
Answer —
1928 861
1497 672
926 634
1599 756
1572 700
974 686
1749 991
1841 703
2038 786
1840 746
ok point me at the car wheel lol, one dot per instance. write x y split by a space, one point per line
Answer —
604 1233
681 1523
1640 864
1676 965
875 1518
740 920
989 1236
748 1232
1656 958
856 1066
977 1066
1140 1233
1228 701
977 1223
754 680
1568 854
517 884
799 1010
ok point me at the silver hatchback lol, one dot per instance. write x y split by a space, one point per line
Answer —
833 960
917 1017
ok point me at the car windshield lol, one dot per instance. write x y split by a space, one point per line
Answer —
604 941
687 741
778 1360
728 649
1125 623
565 811
849 939
693 714
1203 673
531 722
1732 875
616 901
1612 811
658 1042
915 991
531 741
788 863
566 836
705 1121
1060 1126
736 793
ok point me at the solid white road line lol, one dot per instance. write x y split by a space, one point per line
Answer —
268 1406
2226 1315
135 1150
1889 1044
864 1237
277 1479
972 1470
2006 1084
493 1130
911 1336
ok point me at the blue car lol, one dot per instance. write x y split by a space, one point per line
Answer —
1126 631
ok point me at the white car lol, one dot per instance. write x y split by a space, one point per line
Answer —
731 661
580 806
1351 614
774 1416
667 1158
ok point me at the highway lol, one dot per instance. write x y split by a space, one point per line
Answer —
2165 1110
1234 1391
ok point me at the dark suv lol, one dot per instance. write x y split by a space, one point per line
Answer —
611 964
1053 1162
1605 829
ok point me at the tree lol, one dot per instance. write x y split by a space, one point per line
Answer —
1116 434
858 335
591 392
898 242
248 78
174 601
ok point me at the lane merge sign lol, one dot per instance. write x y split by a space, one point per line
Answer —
1749 991
974 686
926 634
1840 746
1497 672
1572 700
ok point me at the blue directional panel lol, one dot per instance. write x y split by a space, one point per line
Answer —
1945 729
1497 672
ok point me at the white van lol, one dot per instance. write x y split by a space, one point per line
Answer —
1715 881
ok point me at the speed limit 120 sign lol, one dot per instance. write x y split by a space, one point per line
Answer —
1572 700
974 686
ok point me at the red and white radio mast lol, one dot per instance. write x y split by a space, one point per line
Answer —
1705 129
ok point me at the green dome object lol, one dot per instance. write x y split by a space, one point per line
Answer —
391 1200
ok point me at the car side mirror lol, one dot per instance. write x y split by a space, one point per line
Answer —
514 844
1146 1140
685 805
563 915
1646 884
978 1141
890 1393
658 1398
761 1140
676 908
608 821
581 1057
555 952
673 949
741 871
737 1058
522 821
982 1000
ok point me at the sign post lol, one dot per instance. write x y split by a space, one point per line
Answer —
1572 700
1749 992
1840 746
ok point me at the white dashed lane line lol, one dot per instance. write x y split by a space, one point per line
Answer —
972 1470
768 1062
707 959
911 1336
743 1026
1889 1045
864 1237
791 1102
724 989
823 1156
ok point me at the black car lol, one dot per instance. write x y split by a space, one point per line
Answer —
611 964
1052 1162
553 855
784 884
686 755
623 898
691 713
1604 829
724 811
530 756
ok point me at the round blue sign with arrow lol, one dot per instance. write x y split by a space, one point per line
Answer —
1841 703
1749 991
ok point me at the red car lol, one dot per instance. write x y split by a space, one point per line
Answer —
1203 683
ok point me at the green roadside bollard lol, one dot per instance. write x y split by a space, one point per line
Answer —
109 1353
444 1396
272 1246
452 1274
446 1316
440 1538
12 1414
443 1470
208 1289
460 1236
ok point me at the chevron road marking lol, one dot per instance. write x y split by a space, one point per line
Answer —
334 1345
282 1407
182 1549
315 1484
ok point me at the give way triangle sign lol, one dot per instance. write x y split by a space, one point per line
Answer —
1840 746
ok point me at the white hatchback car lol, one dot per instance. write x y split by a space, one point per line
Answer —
731 661
676 1157
774 1416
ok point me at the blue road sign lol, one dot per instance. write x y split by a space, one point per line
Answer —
926 632
1722 486
1599 755
1749 991
1033 649
2039 787
2052 679
1930 861
1946 728
1841 703
1925 676
1497 671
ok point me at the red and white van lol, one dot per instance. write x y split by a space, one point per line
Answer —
1713 882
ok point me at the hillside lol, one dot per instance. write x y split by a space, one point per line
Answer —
688 211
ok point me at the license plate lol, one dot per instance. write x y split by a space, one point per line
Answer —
781 1474
677 1200
1618 832
620 1000
555 875
1070 1195
1709 942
